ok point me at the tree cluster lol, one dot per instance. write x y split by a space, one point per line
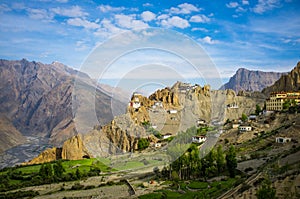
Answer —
191 166
48 173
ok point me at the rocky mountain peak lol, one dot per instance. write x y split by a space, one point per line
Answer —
249 80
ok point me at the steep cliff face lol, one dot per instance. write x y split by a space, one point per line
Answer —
167 96
74 149
288 82
37 99
248 80
123 134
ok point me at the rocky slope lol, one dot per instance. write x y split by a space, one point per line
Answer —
288 82
9 135
37 99
248 80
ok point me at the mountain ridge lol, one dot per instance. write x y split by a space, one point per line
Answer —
287 82
251 80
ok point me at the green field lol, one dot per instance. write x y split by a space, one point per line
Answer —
23 176
193 189
69 166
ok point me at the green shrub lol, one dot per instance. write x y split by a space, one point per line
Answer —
143 143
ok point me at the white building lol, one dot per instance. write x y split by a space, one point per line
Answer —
235 125
172 111
159 104
201 122
252 117
282 140
245 128
136 105
198 139
157 144
166 136
232 105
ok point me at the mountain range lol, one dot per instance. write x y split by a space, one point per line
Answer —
36 100
247 80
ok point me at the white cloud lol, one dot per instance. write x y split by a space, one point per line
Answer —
74 11
108 8
81 45
148 16
163 16
62 1
240 9
59 1
129 21
232 5
147 5
82 23
4 8
175 21
200 29
199 19
40 14
265 5
107 29
18 6
245 2
209 40
184 8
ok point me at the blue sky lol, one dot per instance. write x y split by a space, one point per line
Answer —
261 34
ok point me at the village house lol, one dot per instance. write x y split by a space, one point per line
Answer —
167 135
198 139
201 122
157 105
252 117
282 139
232 105
245 128
184 87
172 111
157 144
235 125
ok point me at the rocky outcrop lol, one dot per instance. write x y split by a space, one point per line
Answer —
248 80
123 134
72 149
288 82
138 106
48 155
167 96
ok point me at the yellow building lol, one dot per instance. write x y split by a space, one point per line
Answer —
276 100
